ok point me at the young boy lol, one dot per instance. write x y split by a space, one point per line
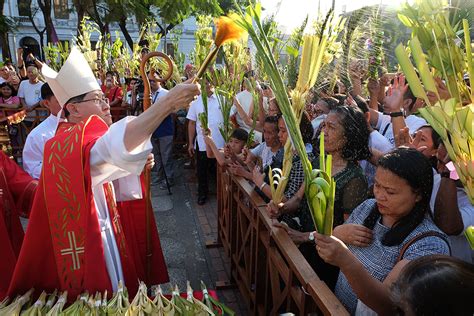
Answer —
232 149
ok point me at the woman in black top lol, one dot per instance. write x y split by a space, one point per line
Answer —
346 138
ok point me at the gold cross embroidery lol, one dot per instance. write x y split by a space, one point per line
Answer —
73 250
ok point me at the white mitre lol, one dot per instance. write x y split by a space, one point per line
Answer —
74 78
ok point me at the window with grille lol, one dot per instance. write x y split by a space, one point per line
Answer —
24 8
61 9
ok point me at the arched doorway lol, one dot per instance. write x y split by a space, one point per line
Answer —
30 45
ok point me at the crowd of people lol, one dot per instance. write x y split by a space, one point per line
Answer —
399 213
396 202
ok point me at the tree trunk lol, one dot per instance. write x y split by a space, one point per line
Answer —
40 33
81 12
163 32
45 6
123 28
4 42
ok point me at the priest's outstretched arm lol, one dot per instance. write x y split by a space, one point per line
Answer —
145 124
124 149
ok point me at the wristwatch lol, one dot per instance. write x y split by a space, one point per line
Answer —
396 114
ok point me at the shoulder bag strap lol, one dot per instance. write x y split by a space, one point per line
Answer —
419 237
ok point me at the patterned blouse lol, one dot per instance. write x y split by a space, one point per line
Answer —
378 259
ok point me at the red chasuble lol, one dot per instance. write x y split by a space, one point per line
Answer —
133 213
17 190
63 244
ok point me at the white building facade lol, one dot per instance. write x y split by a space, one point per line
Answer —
65 24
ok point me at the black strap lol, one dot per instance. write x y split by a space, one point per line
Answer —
386 128
155 96
419 237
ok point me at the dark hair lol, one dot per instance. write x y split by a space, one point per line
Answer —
78 98
111 73
361 103
341 98
409 95
9 85
46 91
412 166
331 103
435 285
306 128
240 134
435 138
273 99
356 133
272 120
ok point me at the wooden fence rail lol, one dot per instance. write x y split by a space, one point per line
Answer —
269 270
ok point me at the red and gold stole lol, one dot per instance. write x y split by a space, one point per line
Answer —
69 201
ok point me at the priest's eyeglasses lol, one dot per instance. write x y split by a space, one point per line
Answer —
97 100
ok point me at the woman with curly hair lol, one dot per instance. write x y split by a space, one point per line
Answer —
346 138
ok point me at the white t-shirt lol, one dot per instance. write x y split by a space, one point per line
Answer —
385 127
2 80
30 92
245 99
34 145
215 120
265 153
380 143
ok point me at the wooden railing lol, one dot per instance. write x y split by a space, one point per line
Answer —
269 270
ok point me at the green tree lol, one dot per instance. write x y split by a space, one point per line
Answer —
166 14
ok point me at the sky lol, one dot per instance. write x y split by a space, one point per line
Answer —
290 13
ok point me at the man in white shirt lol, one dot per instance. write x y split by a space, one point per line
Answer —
196 141
34 145
97 255
245 99
29 91
398 114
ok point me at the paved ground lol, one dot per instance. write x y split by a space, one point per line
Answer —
184 228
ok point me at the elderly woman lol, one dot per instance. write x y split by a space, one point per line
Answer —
383 234
346 138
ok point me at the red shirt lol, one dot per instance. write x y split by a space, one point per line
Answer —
115 93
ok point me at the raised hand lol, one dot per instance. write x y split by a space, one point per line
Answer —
404 139
443 92
393 102
373 87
